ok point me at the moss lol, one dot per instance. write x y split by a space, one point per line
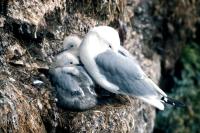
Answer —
176 23
186 88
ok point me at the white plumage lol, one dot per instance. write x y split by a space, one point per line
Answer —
114 68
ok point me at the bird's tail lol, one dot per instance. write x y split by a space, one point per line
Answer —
153 101
172 102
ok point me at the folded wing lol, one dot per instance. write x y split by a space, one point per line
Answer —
125 73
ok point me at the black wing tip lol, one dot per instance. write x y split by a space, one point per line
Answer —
173 102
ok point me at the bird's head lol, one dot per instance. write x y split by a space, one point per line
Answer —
108 36
71 43
100 39
65 59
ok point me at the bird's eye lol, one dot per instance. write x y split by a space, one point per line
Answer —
71 46
110 46
71 62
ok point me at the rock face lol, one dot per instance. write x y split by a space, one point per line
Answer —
31 33
17 113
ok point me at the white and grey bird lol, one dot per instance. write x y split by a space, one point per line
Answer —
114 68
71 44
74 87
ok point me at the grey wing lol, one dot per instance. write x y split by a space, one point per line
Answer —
126 74
70 95
85 76
86 81
126 54
67 91
65 82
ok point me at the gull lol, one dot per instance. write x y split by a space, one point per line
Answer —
116 70
74 87
71 44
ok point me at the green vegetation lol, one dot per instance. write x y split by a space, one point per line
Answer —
186 89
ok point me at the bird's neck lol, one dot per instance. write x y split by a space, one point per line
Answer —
74 52
89 50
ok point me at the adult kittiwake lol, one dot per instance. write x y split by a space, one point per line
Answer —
74 87
114 68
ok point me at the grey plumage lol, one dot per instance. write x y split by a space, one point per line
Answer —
116 70
74 87
123 68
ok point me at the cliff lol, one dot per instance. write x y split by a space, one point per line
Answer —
32 32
